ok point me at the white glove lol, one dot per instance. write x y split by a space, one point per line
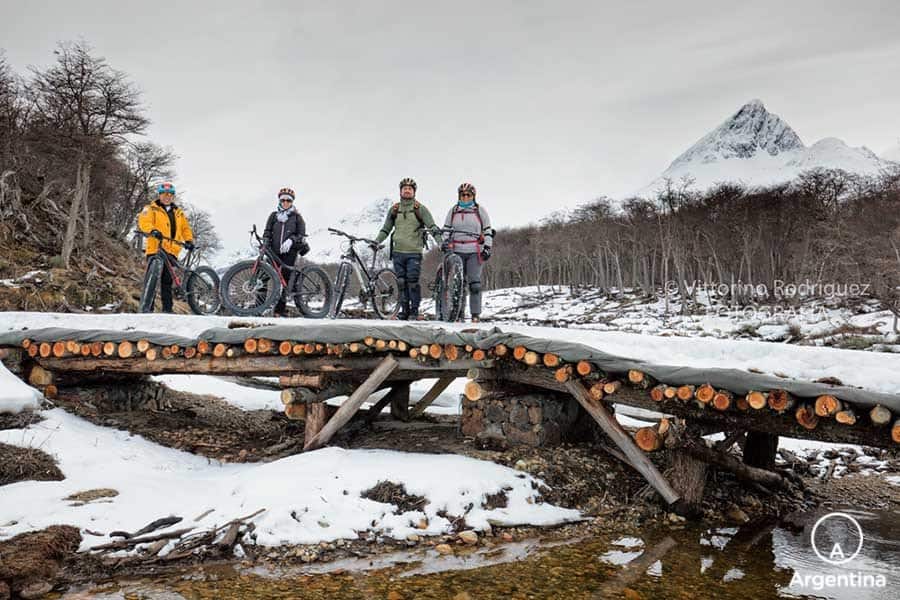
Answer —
286 246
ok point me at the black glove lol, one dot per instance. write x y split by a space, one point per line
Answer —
486 253
157 234
445 246
188 245
374 246
303 249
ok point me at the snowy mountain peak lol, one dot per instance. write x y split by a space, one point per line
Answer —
755 147
751 129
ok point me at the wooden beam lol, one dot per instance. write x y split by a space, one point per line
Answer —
430 396
400 401
612 428
387 365
316 417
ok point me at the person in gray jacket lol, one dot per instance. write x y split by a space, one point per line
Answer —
470 217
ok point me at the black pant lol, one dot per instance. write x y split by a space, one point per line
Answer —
288 259
408 267
165 287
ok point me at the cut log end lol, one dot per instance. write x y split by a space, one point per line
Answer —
705 393
531 358
219 350
563 374
451 352
519 352
501 350
295 411
648 439
895 432
685 392
658 393
611 387
597 391
250 346
756 400
551 360
806 416
845 417
125 349
827 405
880 416
584 368
473 391
435 351
478 355
722 400
780 401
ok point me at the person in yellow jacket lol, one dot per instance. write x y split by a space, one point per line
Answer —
163 218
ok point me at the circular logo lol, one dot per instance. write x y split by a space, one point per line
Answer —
833 530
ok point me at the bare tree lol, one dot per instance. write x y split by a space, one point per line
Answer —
143 163
90 106
206 239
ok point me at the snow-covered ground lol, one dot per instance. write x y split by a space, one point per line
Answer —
308 498
15 395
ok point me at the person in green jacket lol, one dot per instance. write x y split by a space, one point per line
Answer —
410 222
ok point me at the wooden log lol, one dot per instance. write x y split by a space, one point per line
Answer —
33 350
563 374
203 347
473 391
190 352
175 349
806 416
295 411
827 405
435 351
26 344
166 353
423 350
658 393
531 358
612 428
59 349
285 348
46 349
352 404
125 349
478 354
354 347
380 345
501 350
234 352
612 386
704 394
519 352
684 392
756 400
316 417
597 390
430 396
40 377
551 360
219 350
780 400
846 417
413 352
402 346
895 432
264 346
304 380
584 368
50 392
398 397
151 354
741 403
722 400
96 348
297 349
143 345
670 393
369 340
880 416
648 439
309 348
451 352
109 348
639 379
85 350
250 346
73 347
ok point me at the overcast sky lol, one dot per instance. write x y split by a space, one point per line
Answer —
540 104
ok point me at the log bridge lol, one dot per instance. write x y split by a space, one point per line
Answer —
316 363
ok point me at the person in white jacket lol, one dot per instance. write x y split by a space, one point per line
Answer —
469 217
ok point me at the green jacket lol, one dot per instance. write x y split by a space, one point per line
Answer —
407 230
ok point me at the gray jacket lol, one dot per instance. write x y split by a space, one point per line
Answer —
473 220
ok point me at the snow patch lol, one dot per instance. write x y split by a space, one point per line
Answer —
15 395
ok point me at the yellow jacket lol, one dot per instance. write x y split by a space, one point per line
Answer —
154 216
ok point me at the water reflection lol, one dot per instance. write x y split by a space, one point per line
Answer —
748 562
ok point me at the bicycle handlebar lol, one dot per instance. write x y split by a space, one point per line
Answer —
451 231
353 238
167 239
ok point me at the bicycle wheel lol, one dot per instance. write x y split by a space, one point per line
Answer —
452 290
250 288
151 281
203 291
437 291
341 282
385 294
312 292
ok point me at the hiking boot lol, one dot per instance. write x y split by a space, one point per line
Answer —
476 319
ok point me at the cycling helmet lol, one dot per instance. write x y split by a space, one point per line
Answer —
408 181
286 193
466 187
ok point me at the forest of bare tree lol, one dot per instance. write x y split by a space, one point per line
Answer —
74 162
827 227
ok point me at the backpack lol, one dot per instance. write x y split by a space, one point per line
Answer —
480 221
395 210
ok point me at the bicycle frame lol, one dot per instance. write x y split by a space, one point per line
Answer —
363 275
266 253
179 271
